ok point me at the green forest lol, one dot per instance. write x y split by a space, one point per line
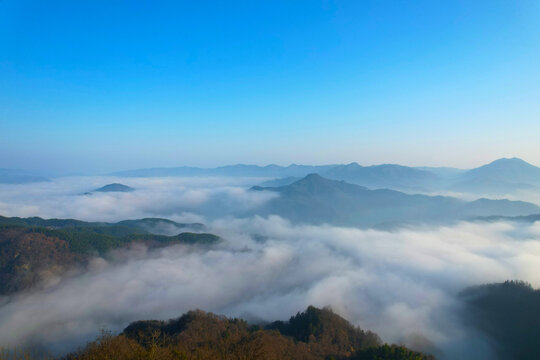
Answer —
32 247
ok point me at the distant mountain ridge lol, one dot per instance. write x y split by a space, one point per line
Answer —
375 176
115 187
144 225
508 169
279 182
383 176
315 199
500 177
524 219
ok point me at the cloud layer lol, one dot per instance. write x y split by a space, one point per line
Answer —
402 285
181 199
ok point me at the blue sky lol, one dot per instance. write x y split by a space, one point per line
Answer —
97 86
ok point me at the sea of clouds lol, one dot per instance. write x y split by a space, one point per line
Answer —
403 285
181 199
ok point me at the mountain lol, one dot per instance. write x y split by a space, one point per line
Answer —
318 200
280 182
509 314
499 177
115 187
121 228
160 226
33 249
376 176
29 257
524 219
383 176
488 207
512 170
315 334
11 176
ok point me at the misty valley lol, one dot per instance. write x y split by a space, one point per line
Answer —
249 262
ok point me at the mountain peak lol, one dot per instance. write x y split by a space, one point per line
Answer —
501 175
313 177
311 180
115 187
314 184
513 160
509 164
320 181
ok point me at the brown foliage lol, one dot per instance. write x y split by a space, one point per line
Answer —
28 257
203 336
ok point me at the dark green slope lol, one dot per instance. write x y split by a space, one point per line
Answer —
125 227
509 313
31 249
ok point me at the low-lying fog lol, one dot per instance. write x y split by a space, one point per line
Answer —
402 284
179 199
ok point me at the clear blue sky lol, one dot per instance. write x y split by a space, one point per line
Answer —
96 86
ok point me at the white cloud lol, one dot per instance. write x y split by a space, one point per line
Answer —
402 285
154 197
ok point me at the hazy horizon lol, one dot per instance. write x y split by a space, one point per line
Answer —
175 83
51 172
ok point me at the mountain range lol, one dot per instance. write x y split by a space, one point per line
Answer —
499 177
502 176
376 176
316 200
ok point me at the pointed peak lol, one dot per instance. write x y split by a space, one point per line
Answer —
509 162
313 179
313 176
316 181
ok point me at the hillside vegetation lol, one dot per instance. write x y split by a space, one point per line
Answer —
311 335
509 313
34 249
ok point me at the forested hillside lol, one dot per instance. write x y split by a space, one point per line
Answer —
34 249
315 334
509 313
